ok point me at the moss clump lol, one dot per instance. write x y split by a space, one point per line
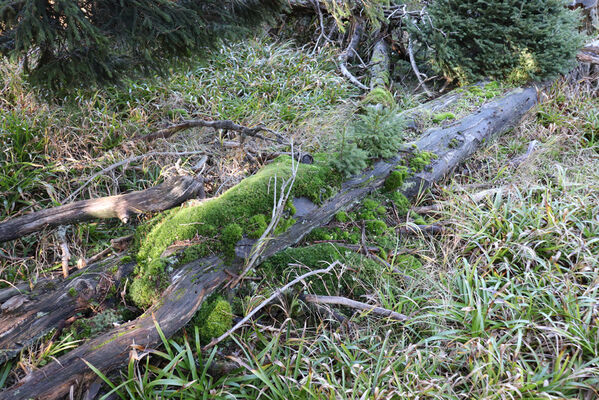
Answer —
381 96
194 252
231 214
396 179
214 318
341 216
418 219
151 279
402 204
256 226
442 117
376 227
73 292
367 272
320 234
421 159
231 235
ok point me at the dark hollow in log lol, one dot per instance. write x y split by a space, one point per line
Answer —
168 194
51 303
193 282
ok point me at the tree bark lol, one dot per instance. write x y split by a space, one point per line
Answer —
164 196
193 282
29 315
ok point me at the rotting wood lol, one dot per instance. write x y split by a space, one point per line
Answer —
193 282
161 197
52 302
379 71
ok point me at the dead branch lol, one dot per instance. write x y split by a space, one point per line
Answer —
343 301
169 194
420 76
220 124
128 161
349 51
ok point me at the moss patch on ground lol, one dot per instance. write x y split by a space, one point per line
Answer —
363 276
214 318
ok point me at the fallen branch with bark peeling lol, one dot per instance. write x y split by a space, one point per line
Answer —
158 198
195 281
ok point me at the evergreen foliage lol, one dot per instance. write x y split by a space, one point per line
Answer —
65 41
534 39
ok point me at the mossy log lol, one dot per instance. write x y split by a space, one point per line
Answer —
379 72
195 281
30 314
169 194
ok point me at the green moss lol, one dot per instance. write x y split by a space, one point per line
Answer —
396 179
319 234
341 216
235 212
284 266
237 205
73 292
442 117
214 318
194 252
256 226
284 224
402 204
231 235
379 95
453 143
418 219
376 227
151 279
370 204
421 159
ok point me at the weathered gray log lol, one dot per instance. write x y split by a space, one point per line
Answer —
161 197
379 72
193 282
29 315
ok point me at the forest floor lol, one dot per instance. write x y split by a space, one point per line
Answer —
502 303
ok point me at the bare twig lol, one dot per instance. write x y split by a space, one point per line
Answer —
351 49
220 124
127 161
276 294
343 301
417 72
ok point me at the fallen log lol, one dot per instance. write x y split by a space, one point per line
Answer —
29 315
193 282
161 197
